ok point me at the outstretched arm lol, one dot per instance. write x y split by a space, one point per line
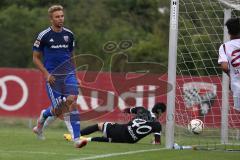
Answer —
157 128
224 66
157 138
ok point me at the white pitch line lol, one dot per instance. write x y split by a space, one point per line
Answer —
118 154
47 153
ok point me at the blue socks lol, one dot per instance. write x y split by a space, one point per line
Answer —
47 113
75 123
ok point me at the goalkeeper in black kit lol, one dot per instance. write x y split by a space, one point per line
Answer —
143 123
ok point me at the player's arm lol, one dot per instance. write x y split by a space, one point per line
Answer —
157 138
71 49
37 56
222 59
224 66
157 128
73 54
73 61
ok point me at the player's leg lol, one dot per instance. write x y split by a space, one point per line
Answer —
43 121
86 131
112 132
97 127
99 139
104 128
38 129
72 119
49 121
116 133
45 113
91 129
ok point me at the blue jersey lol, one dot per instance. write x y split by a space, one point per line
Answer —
56 49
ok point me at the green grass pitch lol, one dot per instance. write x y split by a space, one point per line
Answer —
17 142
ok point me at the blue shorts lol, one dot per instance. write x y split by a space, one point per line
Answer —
64 86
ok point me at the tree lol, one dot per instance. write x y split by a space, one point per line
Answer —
94 22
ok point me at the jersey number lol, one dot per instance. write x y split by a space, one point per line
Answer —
141 127
235 58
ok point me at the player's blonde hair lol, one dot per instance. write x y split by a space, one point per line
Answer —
54 8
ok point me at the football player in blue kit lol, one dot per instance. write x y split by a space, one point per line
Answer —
53 56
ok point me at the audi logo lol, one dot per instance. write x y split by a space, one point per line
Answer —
3 97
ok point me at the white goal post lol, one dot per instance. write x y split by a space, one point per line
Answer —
172 58
196 31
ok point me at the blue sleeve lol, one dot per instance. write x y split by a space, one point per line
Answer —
72 43
38 44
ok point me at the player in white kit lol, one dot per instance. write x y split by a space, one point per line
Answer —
229 58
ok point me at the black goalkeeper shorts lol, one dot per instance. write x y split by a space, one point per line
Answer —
118 133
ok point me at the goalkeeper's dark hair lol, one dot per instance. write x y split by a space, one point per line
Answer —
233 26
159 107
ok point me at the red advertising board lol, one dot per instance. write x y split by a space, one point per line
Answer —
103 96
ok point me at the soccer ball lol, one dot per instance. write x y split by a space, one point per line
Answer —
195 126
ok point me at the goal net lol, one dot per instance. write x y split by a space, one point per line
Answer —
198 75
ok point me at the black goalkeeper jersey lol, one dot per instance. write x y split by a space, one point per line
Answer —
142 124
139 128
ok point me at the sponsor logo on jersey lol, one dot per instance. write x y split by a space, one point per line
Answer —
59 46
66 38
36 43
51 40
134 137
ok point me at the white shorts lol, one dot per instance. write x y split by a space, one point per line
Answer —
235 87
